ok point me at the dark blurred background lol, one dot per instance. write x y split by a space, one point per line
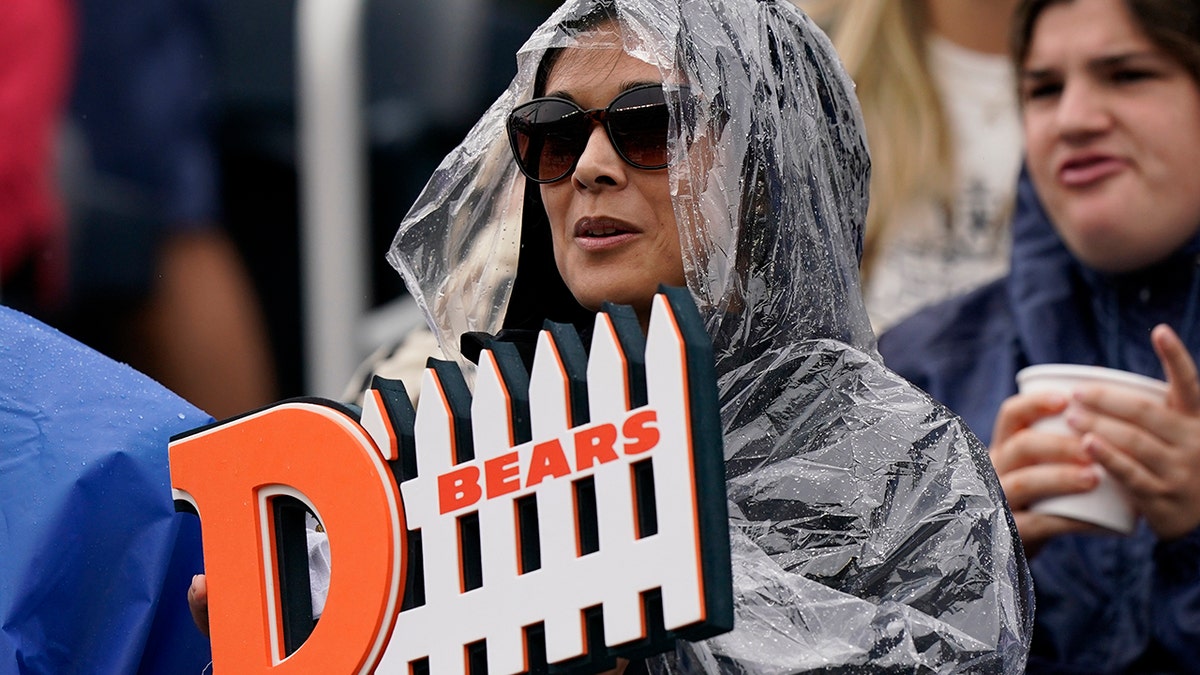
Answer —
413 116
157 187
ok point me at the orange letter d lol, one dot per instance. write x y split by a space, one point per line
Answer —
321 456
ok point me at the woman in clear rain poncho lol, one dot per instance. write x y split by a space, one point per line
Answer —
868 529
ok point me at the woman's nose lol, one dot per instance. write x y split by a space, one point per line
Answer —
1081 111
599 164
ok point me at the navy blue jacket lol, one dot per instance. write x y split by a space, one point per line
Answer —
1104 604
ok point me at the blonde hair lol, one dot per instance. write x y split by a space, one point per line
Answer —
882 45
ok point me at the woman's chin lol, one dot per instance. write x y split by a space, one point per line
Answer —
1109 248
640 300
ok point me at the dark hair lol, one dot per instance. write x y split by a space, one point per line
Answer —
539 292
1172 25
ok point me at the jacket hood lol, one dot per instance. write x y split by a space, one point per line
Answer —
769 173
1066 312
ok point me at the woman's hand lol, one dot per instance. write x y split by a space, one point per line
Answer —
198 602
1152 450
1035 465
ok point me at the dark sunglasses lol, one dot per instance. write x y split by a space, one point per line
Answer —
548 135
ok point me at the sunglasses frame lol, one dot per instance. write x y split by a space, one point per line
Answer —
594 116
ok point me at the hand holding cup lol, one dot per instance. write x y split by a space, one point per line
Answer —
1034 464
1106 504
1051 442
1151 449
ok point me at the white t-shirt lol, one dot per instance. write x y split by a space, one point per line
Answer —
927 256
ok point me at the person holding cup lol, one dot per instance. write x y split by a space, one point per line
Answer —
1105 272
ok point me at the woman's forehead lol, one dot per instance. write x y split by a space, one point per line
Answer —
598 67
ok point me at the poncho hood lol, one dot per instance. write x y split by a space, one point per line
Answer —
772 215
1067 312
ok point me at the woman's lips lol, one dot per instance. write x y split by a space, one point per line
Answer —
597 234
1085 171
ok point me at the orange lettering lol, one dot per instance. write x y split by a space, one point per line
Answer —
502 474
319 452
548 460
642 431
597 445
458 489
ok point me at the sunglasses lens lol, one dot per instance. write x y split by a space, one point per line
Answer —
638 122
547 137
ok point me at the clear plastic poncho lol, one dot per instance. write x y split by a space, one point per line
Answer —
869 532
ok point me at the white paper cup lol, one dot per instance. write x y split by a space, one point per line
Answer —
1107 504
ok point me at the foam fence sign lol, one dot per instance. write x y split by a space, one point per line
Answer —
556 519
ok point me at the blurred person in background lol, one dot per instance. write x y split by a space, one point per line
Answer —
35 66
937 94
93 557
1104 272
155 281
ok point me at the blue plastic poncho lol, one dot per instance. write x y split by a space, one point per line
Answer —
94 561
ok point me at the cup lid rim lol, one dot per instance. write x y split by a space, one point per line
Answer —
1091 373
